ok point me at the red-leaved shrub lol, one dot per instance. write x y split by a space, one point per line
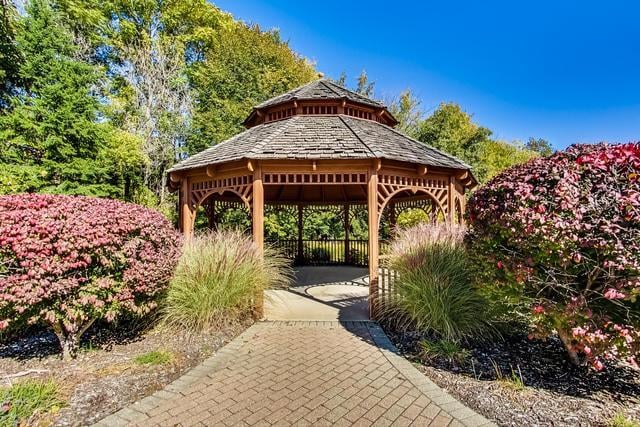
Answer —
68 261
563 234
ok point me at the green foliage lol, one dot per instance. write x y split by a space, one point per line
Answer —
23 402
411 217
406 109
365 86
241 67
156 357
10 57
495 156
447 350
54 138
434 291
621 420
540 146
450 129
218 278
101 97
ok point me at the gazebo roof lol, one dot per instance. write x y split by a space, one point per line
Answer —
317 121
322 89
322 137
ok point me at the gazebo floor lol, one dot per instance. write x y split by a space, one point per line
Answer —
321 293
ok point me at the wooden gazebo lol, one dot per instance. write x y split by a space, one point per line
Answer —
322 144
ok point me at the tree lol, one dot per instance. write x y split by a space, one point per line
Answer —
560 237
365 87
241 66
540 146
495 156
450 129
159 107
342 80
10 58
54 135
406 109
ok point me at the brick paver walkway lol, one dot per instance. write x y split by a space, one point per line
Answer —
302 373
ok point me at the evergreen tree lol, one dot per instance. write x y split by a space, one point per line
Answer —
55 137
9 56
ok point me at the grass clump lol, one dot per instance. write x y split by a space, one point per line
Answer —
514 381
156 357
447 350
621 420
23 402
218 278
434 292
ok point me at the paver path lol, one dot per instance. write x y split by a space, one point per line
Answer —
302 373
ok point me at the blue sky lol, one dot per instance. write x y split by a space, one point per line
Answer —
566 71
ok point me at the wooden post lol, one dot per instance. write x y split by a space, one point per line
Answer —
300 254
450 190
257 212
372 209
186 212
347 254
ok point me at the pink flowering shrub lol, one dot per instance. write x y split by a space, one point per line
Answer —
562 234
67 261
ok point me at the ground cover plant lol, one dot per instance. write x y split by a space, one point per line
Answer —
218 278
22 402
560 237
433 293
67 261
154 357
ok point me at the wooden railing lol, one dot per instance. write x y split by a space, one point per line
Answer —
324 251
387 277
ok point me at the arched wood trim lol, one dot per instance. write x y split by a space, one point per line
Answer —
433 194
246 200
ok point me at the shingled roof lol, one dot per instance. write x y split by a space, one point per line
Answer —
319 90
321 137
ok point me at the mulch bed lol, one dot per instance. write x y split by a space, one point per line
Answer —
556 393
104 377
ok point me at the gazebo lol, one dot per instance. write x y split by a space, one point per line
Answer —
322 145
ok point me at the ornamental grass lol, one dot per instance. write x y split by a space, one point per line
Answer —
434 293
219 278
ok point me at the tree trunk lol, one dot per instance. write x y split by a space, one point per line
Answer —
70 345
565 337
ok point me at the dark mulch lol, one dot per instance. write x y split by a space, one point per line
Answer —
104 377
556 393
